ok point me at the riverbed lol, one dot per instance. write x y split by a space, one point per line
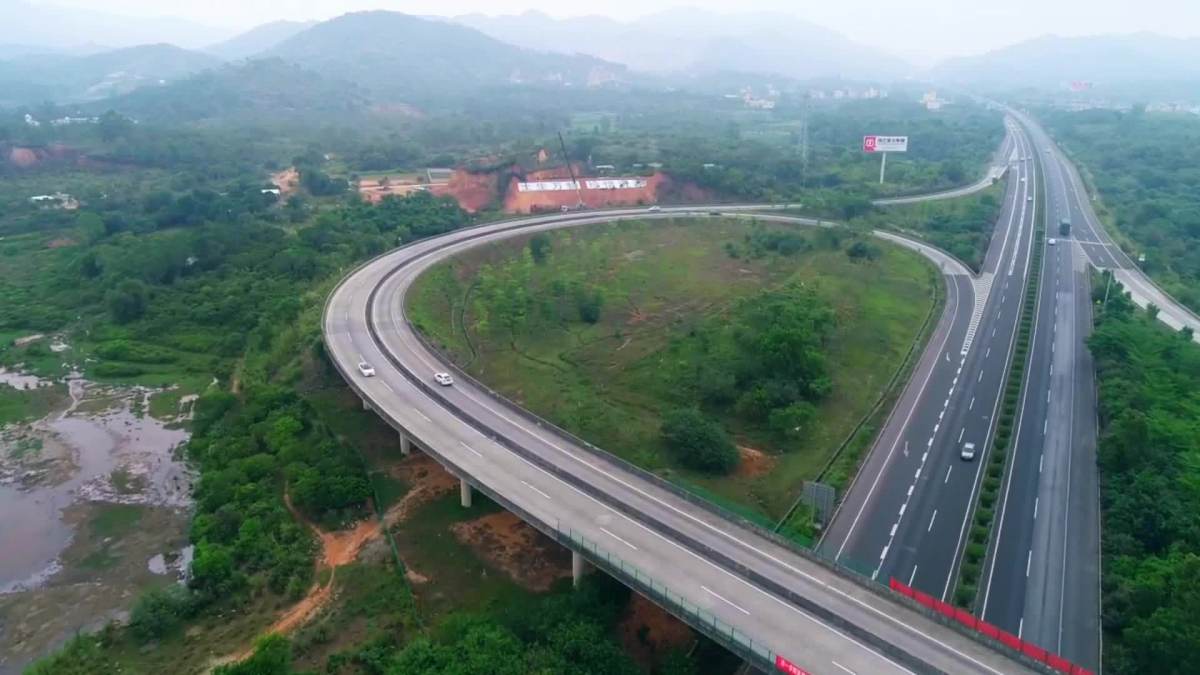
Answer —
94 507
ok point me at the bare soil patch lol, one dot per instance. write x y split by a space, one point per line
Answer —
648 632
527 556
286 180
754 462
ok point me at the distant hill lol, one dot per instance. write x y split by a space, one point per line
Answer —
61 78
398 55
696 40
1054 61
256 91
257 39
57 27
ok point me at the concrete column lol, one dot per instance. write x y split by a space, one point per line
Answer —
366 405
405 444
464 492
578 567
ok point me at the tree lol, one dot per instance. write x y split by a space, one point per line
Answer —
539 247
272 656
698 442
862 251
159 611
113 125
127 302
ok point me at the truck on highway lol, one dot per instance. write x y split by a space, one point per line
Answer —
1064 227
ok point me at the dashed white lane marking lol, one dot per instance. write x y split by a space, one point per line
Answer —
947 480
1035 507
605 530
912 575
536 490
388 387
737 607
1021 627
972 406
1041 459
423 416
844 667
473 450
980 378
931 519
1028 563
960 434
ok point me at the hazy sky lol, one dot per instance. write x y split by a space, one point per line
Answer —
923 30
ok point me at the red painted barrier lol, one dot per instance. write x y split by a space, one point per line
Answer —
966 617
1004 637
1059 663
1009 640
785 666
922 598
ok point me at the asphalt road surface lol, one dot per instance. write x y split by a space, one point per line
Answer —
907 512
824 620
1042 577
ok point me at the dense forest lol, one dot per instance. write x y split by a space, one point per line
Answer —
1149 458
1146 180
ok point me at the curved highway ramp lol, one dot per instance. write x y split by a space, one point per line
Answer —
778 607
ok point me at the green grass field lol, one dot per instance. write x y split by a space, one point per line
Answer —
660 280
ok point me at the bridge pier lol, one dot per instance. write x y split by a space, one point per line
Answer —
405 444
464 492
578 567
366 405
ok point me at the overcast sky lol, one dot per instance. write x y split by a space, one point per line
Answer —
923 30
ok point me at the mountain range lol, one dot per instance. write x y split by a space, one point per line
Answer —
699 41
391 57
1051 61
60 28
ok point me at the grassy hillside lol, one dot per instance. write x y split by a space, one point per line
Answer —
659 296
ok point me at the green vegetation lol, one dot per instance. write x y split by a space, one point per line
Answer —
967 587
776 333
1146 186
24 404
962 226
1149 457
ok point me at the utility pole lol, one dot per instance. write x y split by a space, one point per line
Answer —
571 172
804 141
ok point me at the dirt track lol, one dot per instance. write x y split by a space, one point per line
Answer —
340 548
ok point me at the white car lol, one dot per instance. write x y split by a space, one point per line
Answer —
443 379
654 209
1023 179
366 369
1029 199
1051 241
968 451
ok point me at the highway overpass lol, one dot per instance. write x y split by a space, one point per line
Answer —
765 600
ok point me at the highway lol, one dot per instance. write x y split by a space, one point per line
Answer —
726 578
1098 247
1042 576
907 512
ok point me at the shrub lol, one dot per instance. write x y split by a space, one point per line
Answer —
698 442
159 611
